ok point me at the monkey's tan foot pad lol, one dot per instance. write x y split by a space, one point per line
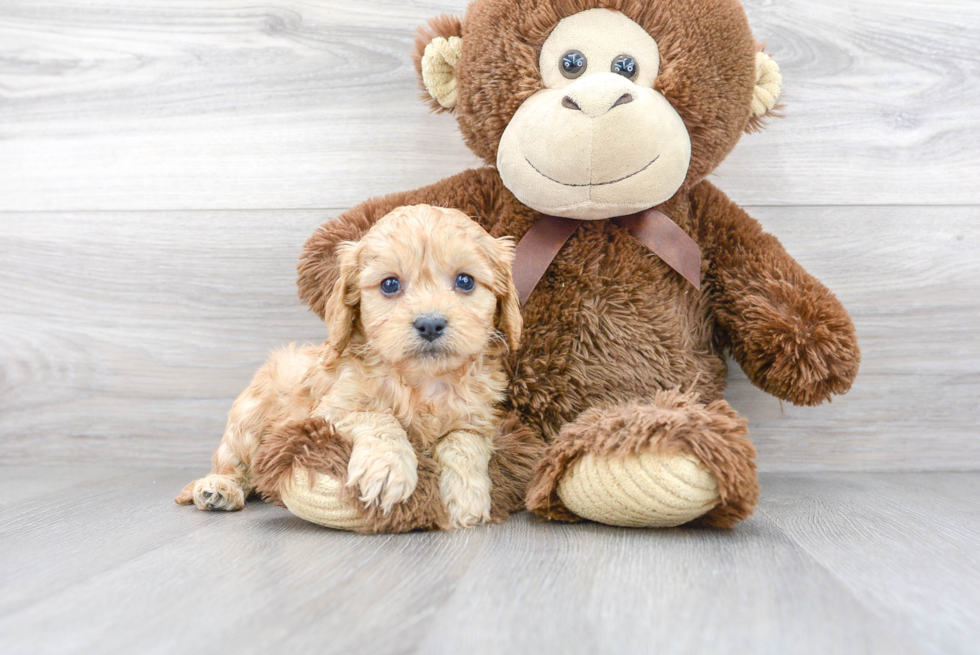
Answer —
647 490
320 502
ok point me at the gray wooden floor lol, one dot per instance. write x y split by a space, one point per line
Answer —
101 560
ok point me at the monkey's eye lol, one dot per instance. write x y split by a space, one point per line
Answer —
626 66
391 286
573 64
465 282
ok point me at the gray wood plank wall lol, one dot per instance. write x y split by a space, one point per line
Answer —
162 162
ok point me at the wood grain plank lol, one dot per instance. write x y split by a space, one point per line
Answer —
904 545
587 588
183 104
21 484
113 565
125 336
41 537
120 568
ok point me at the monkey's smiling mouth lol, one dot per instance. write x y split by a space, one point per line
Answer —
625 177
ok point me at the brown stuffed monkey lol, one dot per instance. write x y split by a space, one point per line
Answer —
598 122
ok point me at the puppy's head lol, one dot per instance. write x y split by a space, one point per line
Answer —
426 289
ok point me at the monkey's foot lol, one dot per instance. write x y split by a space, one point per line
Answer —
321 501
648 490
660 463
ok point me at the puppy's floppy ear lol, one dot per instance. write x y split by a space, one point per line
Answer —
342 308
437 49
509 319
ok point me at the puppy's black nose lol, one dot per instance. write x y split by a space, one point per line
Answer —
430 326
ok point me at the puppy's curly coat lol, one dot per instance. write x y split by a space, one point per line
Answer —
419 320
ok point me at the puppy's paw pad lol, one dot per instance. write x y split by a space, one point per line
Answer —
217 492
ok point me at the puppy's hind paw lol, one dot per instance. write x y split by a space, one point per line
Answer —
213 492
384 471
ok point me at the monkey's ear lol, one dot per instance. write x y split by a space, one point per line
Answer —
437 49
768 88
342 308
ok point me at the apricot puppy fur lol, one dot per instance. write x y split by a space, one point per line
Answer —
419 320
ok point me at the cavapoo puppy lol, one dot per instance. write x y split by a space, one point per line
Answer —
418 321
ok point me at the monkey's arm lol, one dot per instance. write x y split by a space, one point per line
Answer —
787 331
474 192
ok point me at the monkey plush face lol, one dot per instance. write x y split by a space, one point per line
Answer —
592 109
597 141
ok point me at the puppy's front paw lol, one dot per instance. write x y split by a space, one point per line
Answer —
384 470
468 501
213 492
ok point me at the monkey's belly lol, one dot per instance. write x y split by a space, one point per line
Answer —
557 377
611 322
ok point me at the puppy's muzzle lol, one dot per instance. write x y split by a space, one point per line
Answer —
430 326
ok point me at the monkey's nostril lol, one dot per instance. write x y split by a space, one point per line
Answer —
623 99
569 103
430 326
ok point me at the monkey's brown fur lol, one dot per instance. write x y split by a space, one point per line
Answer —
616 342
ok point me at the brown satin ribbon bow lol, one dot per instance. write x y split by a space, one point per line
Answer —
539 247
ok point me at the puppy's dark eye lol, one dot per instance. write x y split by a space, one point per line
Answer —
391 286
626 66
465 282
573 64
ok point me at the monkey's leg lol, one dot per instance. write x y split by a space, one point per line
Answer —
305 467
659 463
